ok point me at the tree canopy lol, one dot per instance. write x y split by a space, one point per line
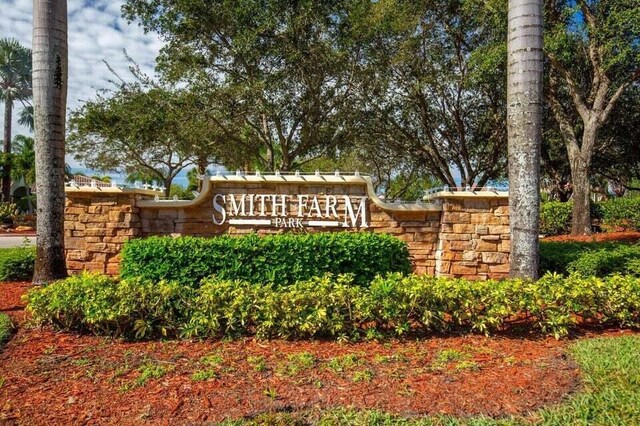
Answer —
142 127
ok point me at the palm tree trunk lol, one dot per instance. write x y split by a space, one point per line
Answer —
524 121
6 168
50 98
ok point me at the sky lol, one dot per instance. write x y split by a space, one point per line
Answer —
97 33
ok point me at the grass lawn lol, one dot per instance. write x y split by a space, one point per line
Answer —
610 396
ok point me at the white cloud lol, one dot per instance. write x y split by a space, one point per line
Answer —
97 33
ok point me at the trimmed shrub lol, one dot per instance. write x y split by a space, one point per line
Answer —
590 259
132 308
333 307
555 217
623 259
17 264
556 256
280 259
621 212
6 326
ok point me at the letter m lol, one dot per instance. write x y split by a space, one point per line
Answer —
351 218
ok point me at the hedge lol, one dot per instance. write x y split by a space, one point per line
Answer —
555 218
331 306
16 264
590 259
278 259
623 212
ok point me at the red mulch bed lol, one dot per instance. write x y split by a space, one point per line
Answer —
621 236
62 378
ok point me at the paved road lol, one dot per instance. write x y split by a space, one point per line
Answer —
15 241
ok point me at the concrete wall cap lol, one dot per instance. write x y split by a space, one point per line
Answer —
467 194
209 184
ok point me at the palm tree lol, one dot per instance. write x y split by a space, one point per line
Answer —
25 117
524 121
24 165
50 60
15 85
24 160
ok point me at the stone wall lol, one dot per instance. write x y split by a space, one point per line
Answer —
449 234
97 223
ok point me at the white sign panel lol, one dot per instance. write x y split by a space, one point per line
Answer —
273 210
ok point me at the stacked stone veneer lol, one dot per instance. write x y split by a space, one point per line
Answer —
451 234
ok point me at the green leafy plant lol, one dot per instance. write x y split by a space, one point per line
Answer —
8 211
621 212
258 363
590 259
343 363
6 327
203 375
279 259
148 372
331 306
555 217
132 308
16 264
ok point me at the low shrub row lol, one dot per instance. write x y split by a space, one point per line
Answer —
621 212
16 264
624 212
590 259
276 259
331 306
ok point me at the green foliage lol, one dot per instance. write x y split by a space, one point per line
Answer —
148 372
284 62
7 211
555 218
6 326
16 264
181 193
334 307
15 75
590 259
621 212
623 259
132 308
144 128
24 159
279 259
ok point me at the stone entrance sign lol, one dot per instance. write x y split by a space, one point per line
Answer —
459 233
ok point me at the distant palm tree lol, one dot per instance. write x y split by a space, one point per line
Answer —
24 160
524 123
24 165
50 72
15 85
25 118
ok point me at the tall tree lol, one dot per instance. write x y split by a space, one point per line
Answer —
433 88
593 47
15 85
50 72
524 122
275 69
145 128
24 166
